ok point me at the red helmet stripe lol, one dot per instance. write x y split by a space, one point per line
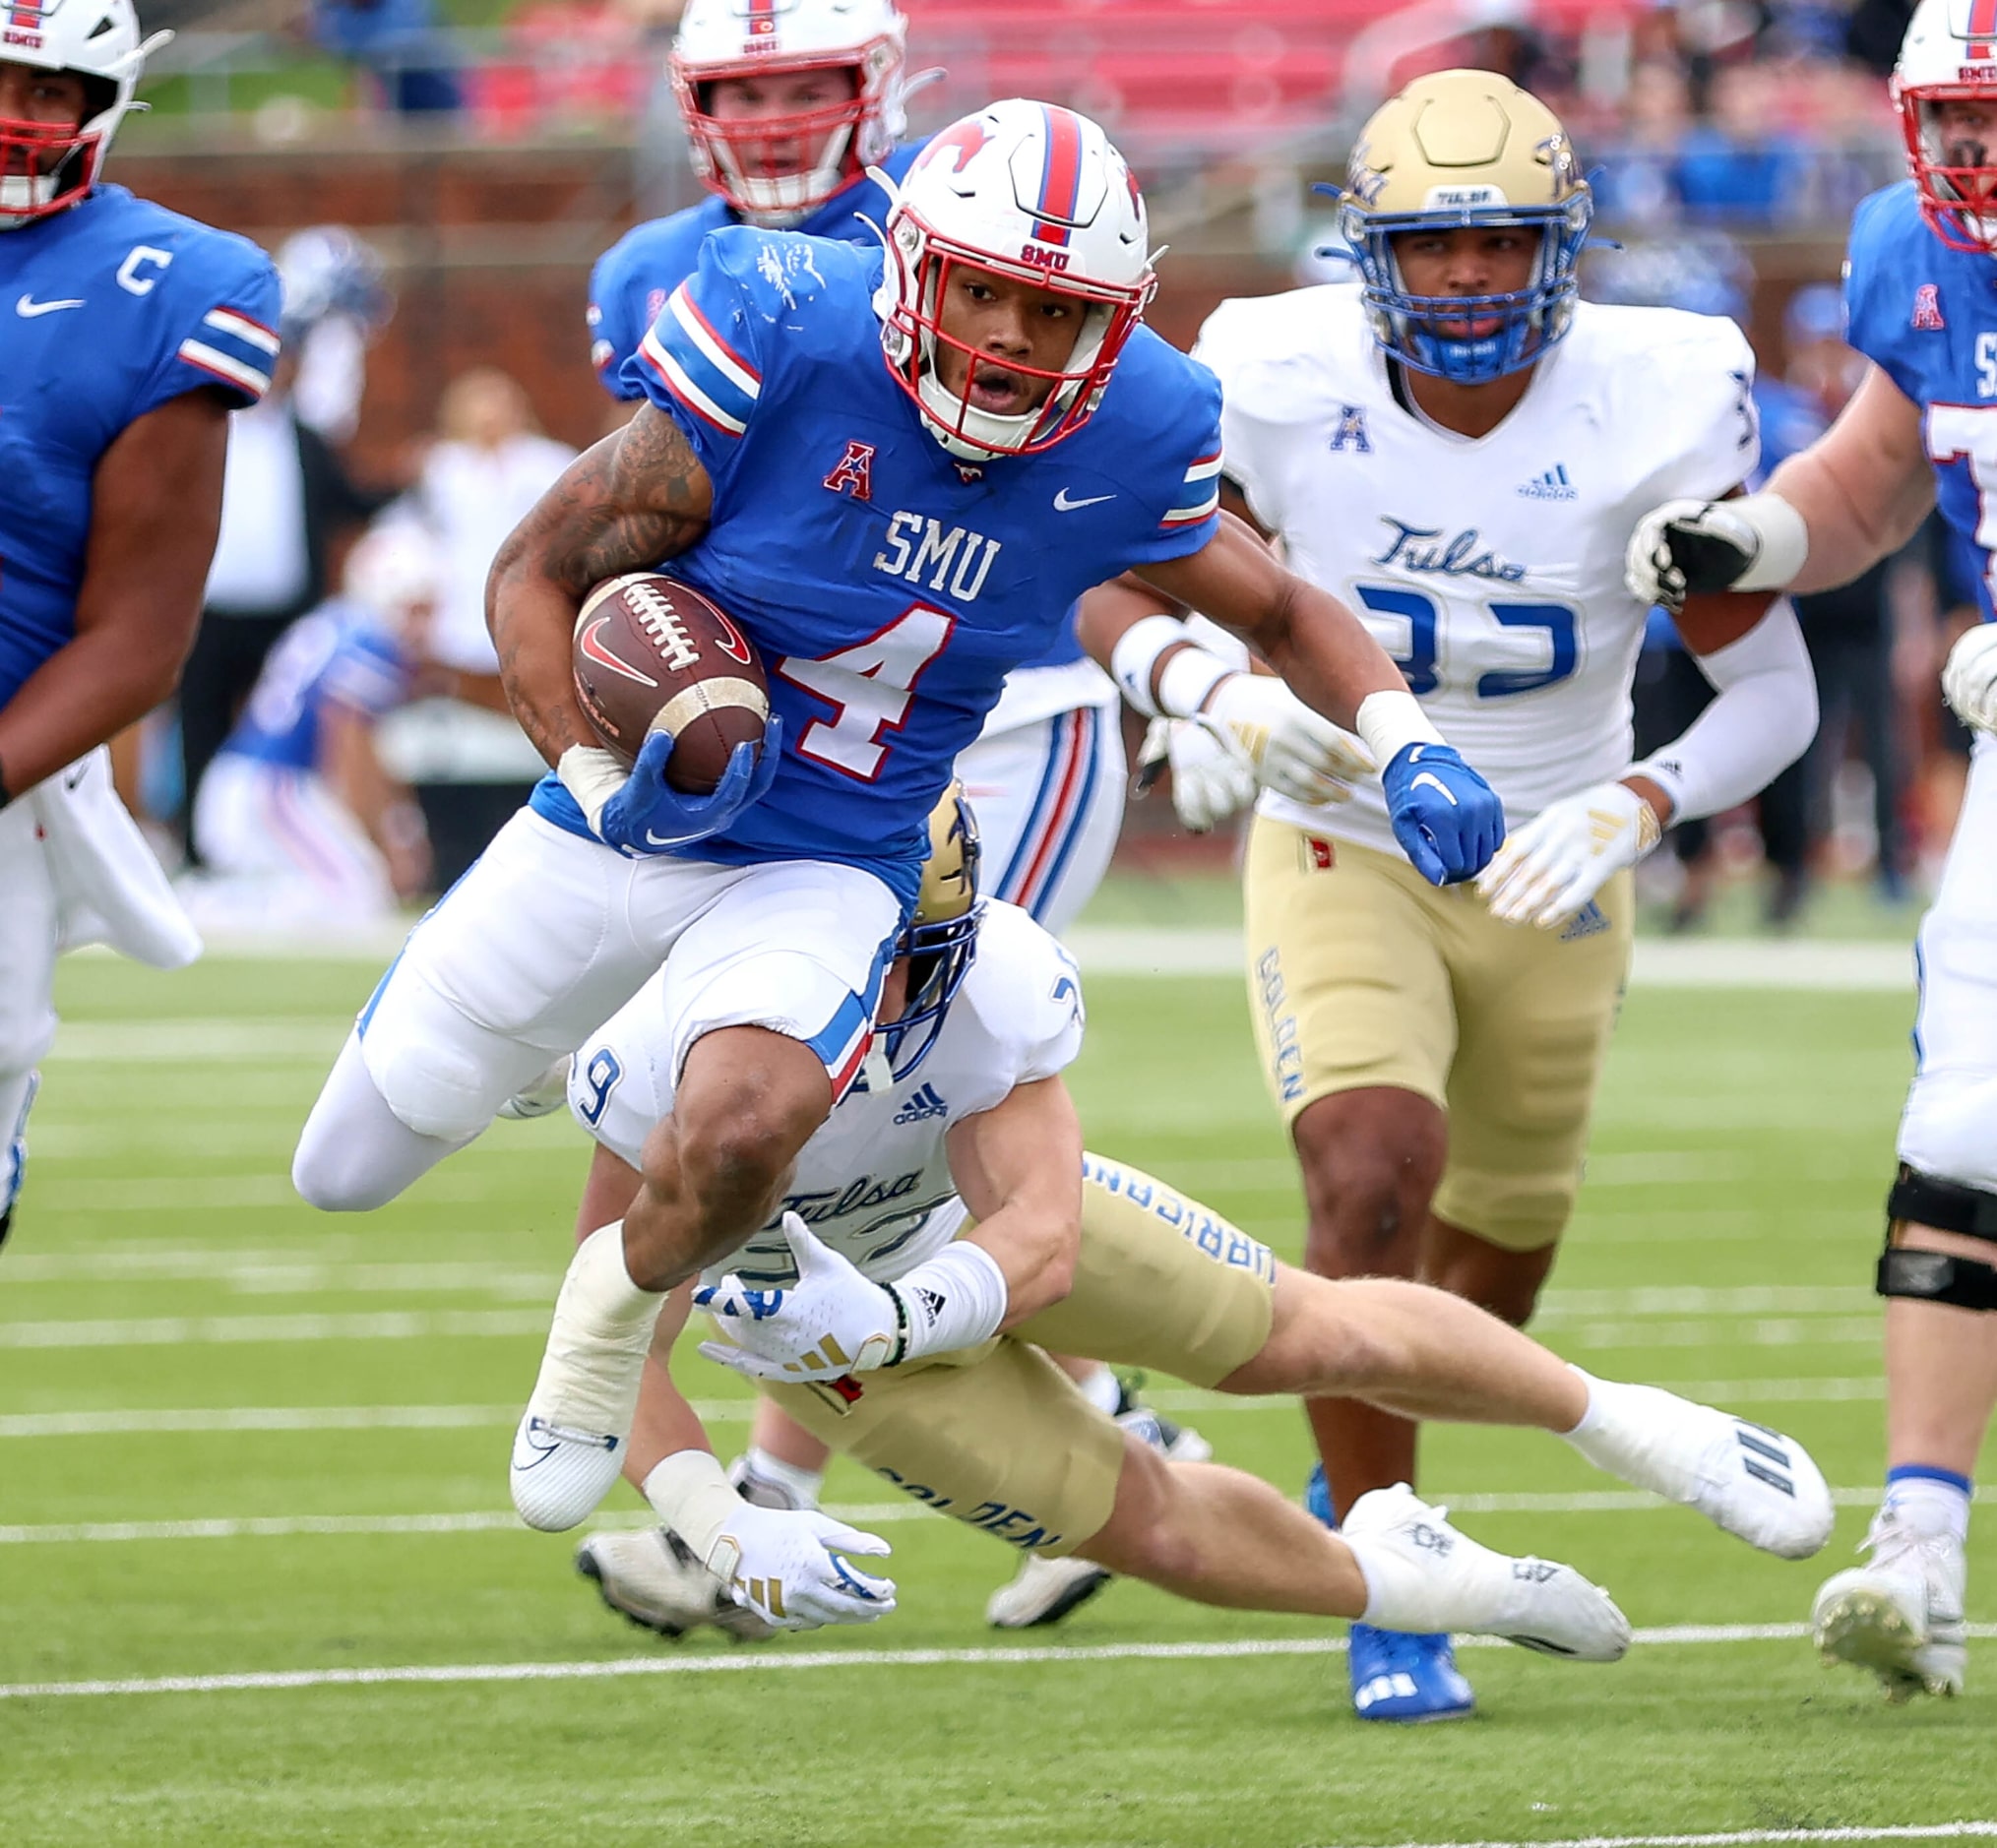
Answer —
1061 171
1982 27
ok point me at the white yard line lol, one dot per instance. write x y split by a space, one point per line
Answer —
865 1514
1744 1837
204 1331
784 1660
1713 963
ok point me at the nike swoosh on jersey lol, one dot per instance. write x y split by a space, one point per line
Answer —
1063 504
27 307
1434 783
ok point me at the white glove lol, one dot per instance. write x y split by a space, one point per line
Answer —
1294 751
1757 542
1210 780
780 1563
1549 869
783 1564
831 1323
1969 678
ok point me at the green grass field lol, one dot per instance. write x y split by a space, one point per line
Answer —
238 1439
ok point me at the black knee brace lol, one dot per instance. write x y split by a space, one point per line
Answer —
1939 1276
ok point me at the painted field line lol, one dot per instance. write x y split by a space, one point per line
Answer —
1745 1837
182 1192
1714 962
205 1330
863 1513
227 1419
236 1418
261 1274
781 1660
206 1039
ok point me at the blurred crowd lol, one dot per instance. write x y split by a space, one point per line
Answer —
340 745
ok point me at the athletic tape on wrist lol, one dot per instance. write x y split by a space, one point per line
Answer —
593 775
956 1299
1188 681
1135 657
1390 721
691 1494
1784 541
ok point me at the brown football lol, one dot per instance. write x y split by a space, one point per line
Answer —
654 654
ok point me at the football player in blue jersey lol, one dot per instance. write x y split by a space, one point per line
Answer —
1921 430
896 538
127 333
786 106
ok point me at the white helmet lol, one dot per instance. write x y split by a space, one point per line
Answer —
719 39
391 570
45 168
1950 55
1036 193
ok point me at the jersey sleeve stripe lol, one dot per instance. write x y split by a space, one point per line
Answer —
244 378
676 381
241 327
731 365
1185 515
1205 469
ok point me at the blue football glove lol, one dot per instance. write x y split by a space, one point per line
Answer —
1448 819
647 815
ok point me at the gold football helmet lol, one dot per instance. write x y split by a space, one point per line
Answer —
1466 149
940 939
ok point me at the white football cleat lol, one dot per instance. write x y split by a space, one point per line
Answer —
1901 1614
650 1578
1425 1575
560 1474
1044 1591
1747 1480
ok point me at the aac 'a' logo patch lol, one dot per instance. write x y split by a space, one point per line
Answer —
1351 430
854 475
1927 309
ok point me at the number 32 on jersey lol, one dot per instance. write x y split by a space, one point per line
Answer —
1423 617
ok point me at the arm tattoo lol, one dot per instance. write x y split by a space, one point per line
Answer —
637 498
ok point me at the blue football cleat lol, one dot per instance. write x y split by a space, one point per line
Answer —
1406 1679
1396 1677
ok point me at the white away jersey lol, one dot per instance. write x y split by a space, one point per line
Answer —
1491 569
874 1183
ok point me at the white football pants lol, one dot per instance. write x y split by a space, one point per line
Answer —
30 932
1950 1126
1048 797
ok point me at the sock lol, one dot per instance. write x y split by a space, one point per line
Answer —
1597 1396
1929 1500
597 1346
1102 1390
799 1487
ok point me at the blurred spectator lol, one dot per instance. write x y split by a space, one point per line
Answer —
459 749
297 822
1849 629
1736 166
397 44
335 304
287 501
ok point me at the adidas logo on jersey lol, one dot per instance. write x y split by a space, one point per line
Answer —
1553 485
924 1105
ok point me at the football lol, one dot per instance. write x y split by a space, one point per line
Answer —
654 654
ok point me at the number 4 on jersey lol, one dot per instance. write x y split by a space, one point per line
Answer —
868 686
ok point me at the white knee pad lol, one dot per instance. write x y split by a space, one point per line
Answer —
440 1073
355 1153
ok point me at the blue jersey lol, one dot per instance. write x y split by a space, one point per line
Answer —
1927 317
890 590
106 311
633 277
336 655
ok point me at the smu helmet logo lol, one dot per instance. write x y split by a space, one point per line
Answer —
966 142
23 24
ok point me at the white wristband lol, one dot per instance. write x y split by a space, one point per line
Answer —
1136 654
691 1494
1389 722
1188 681
593 775
956 1299
1784 537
